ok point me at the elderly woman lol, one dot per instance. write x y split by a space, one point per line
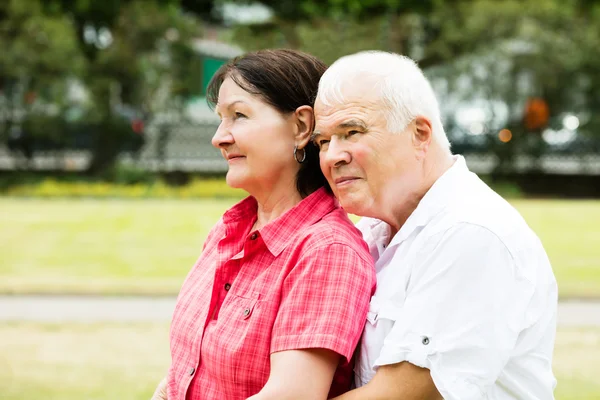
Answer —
276 303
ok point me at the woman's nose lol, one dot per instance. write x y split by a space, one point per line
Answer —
222 136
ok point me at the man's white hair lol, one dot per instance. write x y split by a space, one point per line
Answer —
403 89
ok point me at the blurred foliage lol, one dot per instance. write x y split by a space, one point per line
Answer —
131 182
35 46
124 54
134 59
499 51
196 189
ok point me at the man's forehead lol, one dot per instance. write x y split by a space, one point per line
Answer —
351 112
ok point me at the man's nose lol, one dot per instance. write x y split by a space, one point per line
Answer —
337 153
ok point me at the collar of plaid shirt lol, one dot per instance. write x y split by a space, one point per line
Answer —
278 234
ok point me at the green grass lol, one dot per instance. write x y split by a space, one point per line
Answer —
126 361
148 246
570 232
83 362
101 246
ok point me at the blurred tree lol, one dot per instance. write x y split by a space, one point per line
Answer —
507 50
133 51
512 51
136 54
34 74
132 57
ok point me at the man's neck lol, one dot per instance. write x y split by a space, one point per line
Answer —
432 170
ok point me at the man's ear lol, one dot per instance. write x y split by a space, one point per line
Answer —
305 123
422 134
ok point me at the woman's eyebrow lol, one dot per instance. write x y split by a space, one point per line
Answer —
233 103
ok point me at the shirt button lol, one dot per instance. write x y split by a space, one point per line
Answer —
425 340
191 371
227 287
246 312
253 236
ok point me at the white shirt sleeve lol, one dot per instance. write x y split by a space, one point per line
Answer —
463 310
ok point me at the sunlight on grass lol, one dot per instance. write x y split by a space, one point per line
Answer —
101 246
570 232
126 361
148 246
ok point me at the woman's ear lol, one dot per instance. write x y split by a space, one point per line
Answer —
305 123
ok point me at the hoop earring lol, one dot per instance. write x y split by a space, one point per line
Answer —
296 155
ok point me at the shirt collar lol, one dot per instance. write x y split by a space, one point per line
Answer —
280 232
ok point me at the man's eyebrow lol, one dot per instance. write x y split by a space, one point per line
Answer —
353 123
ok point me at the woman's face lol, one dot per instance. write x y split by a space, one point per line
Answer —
256 140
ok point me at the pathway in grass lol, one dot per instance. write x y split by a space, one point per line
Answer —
89 309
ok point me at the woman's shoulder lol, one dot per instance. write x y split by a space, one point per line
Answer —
335 228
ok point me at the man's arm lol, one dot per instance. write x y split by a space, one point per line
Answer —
300 374
469 304
402 381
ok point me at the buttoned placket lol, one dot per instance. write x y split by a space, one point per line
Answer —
220 284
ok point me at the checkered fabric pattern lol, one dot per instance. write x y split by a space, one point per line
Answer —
302 281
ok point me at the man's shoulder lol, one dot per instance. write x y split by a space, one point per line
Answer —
481 206
485 220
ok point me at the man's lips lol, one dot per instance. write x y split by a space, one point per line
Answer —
345 180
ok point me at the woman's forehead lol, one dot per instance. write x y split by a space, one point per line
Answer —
231 94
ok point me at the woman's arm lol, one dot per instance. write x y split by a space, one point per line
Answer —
300 374
161 391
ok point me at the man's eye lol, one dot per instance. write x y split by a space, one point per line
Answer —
322 142
350 133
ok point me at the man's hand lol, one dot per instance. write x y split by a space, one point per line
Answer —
161 391
397 381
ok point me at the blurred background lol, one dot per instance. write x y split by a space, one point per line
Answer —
109 183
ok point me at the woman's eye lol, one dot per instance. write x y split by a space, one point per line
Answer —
239 115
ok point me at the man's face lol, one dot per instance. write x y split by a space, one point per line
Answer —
365 164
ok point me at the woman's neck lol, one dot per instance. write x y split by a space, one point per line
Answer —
274 205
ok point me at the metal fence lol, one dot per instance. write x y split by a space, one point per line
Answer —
187 147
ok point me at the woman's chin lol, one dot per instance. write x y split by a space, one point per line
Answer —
234 181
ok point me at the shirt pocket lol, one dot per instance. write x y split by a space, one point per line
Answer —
381 318
242 308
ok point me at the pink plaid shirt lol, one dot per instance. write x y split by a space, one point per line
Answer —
302 281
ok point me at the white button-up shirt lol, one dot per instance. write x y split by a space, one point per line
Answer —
464 289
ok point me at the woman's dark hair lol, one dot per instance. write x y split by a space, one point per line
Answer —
285 79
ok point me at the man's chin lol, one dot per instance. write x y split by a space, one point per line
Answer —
350 205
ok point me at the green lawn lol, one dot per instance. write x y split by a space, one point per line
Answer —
126 361
147 246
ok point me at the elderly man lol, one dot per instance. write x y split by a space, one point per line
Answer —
465 306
